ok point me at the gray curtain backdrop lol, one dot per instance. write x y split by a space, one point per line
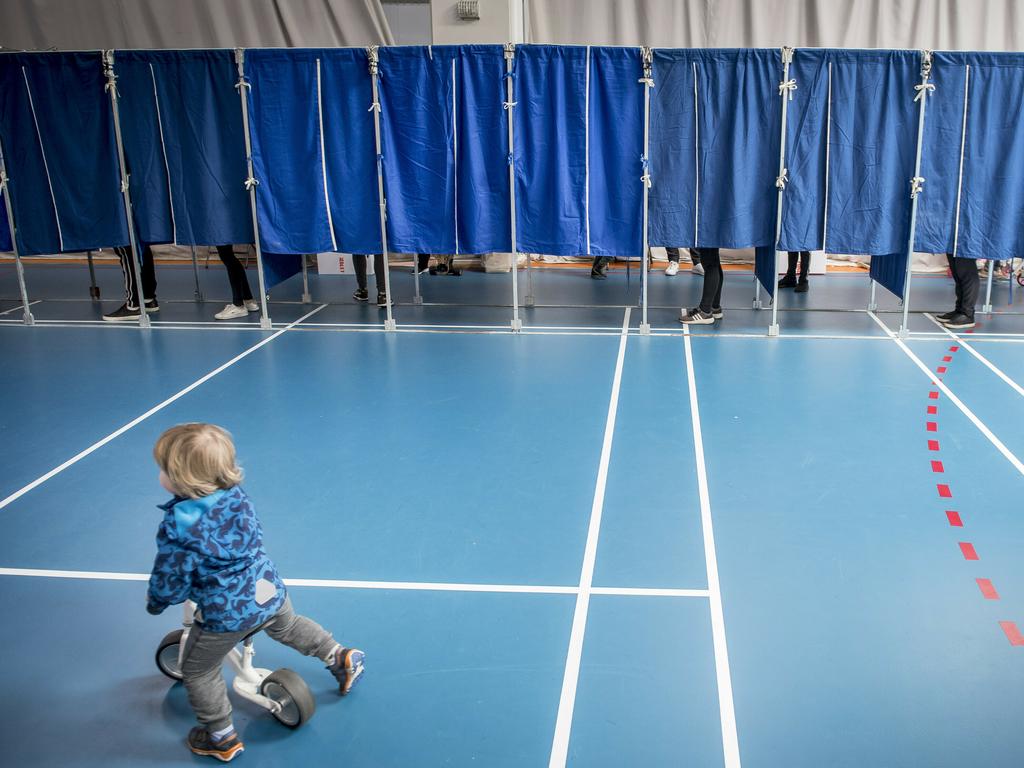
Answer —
979 25
70 25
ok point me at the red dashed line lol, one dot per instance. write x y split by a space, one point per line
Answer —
941 369
953 349
968 550
944 491
937 466
932 410
954 518
932 426
947 359
933 395
933 445
1012 633
987 590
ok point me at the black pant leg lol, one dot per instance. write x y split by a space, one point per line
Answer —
805 265
131 283
359 264
378 271
422 261
711 296
695 255
791 266
957 286
240 292
966 275
673 254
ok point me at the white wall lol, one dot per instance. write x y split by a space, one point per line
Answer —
497 24
409 22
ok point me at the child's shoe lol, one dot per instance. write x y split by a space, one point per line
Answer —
201 743
347 667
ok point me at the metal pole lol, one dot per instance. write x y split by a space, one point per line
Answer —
195 274
786 88
757 293
510 54
111 88
987 309
417 297
872 304
389 321
250 184
647 59
306 298
94 290
19 268
916 184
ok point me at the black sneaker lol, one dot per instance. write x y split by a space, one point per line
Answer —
122 314
382 299
802 286
787 281
945 317
361 294
717 313
201 743
347 668
960 321
695 317
152 306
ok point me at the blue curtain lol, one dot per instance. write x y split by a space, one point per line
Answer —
202 136
992 197
481 161
418 138
284 126
550 152
616 120
672 214
57 130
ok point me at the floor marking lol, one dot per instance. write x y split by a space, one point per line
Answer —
727 713
931 426
20 306
963 343
933 445
987 590
1017 464
968 551
139 419
415 586
937 466
1012 633
570 679
944 492
954 518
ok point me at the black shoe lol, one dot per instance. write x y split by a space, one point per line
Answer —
122 314
361 294
201 743
152 306
945 317
347 668
695 317
717 313
382 299
802 286
960 320
788 281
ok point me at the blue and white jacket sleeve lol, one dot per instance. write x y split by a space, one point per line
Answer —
171 580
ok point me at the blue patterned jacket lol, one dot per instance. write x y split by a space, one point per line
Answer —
210 550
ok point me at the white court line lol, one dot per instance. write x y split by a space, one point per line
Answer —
963 343
567 700
20 306
953 398
181 393
727 712
412 586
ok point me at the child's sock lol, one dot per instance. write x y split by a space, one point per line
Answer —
223 733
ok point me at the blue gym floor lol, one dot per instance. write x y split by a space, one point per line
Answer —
452 499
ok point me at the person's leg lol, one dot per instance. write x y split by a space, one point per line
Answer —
805 263
970 285
673 261
422 262
378 276
131 284
599 267
359 264
789 279
711 296
695 256
240 292
958 288
716 302
673 254
310 639
149 279
130 309
203 677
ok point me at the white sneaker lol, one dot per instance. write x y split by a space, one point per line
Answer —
230 312
672 268
250 305
697 269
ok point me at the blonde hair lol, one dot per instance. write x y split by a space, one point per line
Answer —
198 459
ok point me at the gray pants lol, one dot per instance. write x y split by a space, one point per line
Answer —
205 652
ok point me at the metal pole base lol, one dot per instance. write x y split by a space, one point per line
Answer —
987 309
307 298
517 325
903 333
417 300
872 306
757 304
773 330
390 325
144 320
28 319
645 329
266 324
